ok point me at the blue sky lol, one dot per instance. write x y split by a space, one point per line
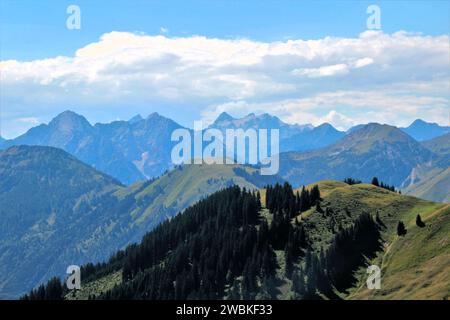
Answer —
313 87
36 29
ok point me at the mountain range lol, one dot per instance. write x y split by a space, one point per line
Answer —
128 150
140 148
372 150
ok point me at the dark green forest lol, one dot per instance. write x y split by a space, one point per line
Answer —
223 247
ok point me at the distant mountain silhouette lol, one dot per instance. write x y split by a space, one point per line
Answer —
140 148
292 137
421 130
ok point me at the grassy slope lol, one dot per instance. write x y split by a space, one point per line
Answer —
413 267
180 188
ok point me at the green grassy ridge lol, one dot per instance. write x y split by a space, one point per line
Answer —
148 203
181 187
414 266
348 202
171 193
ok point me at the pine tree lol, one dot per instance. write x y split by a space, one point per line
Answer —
314 195
419 221
401 229
375 182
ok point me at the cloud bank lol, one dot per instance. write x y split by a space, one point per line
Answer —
391 78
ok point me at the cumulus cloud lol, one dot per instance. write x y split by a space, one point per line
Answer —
401 72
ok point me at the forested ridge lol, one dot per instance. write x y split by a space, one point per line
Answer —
231 246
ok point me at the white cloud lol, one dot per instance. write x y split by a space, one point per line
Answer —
30 120
403 74
363 62
163 30
325 71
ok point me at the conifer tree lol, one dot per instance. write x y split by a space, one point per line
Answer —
401 229
419 221
375 182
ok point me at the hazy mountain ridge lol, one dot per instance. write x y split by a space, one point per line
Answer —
129 151
293 137
421 130
372 150
316 138
439 145
141 147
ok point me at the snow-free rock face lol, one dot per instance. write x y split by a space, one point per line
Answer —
115 148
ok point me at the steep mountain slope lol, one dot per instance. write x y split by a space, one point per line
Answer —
439 145
373 150
57 211
421 130
135 274
414 266
129 151
431 180
143 142
354 128
44 193
434 184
